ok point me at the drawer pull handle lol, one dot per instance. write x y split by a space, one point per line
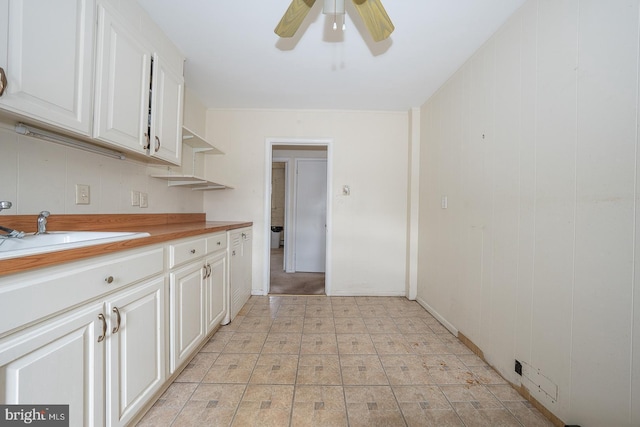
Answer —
219 243
193 251
104 327
117 312
109 279
233 253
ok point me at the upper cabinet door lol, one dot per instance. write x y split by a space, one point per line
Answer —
123 78
166 119
47 56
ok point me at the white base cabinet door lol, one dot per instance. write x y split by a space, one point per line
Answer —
216 288
135 350
61 362
240 255
187 293
46 52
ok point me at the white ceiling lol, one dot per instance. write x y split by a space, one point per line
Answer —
234 59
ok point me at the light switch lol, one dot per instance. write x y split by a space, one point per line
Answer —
82 194
135 198
144 200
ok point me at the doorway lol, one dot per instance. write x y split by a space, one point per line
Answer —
298 217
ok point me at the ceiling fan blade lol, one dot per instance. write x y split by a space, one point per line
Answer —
293 17
375 18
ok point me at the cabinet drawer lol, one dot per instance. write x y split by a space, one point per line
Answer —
216 242
186 250
30 296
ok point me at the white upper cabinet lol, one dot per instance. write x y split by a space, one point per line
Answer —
47 56
123 76
166 119
139 90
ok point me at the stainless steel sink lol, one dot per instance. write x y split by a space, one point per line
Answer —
32 244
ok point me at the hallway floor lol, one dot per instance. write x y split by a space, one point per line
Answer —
338 361
292 283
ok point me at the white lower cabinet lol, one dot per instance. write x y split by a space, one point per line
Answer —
135 350
96 334
187 290
240 255
59 362
103 353
197 293
65 360
216 290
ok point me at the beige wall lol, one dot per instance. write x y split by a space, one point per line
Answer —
368 234
37 175
535 143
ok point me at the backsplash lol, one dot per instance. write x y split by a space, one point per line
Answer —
38 175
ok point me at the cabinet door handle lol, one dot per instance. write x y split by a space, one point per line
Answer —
157 144
208 270
148 144
104 327
233 253
3 81
219 243
117 328
109 280
205 274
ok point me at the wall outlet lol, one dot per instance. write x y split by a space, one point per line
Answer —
144 200
82 194
135 198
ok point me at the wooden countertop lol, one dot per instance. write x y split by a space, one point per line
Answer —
161 227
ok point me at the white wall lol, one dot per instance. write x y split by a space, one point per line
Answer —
369 153
37 175
535 143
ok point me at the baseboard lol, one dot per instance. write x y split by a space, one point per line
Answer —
521 389
437 315
365 293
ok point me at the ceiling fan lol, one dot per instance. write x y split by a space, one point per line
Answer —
371 11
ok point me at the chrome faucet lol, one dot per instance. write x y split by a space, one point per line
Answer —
42 222
9 232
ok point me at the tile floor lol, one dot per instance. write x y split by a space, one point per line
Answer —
338 361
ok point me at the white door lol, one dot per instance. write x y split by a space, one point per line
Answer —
310 215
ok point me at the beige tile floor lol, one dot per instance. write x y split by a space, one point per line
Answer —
338 361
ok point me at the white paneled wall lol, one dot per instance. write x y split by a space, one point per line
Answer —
534 141
37 175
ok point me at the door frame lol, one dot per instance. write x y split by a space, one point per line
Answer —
270 144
